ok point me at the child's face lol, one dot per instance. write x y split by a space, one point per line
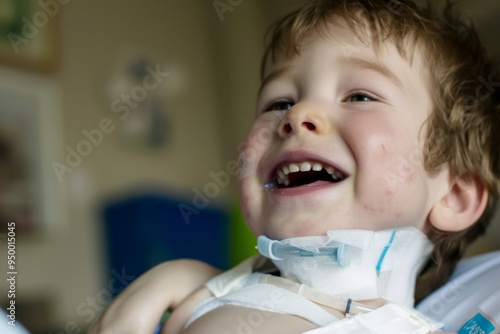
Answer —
343 105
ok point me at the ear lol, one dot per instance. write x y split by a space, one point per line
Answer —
461 206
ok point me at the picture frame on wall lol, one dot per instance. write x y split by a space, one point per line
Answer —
30 35
30 140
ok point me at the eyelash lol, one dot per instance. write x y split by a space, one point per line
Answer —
273 105
363 94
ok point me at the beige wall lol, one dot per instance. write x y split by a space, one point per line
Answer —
94 37
68 266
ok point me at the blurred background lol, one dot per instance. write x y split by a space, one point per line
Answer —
119 126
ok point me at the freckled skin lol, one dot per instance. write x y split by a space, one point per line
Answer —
371 141
366 207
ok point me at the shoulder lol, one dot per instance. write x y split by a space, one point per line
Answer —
471 294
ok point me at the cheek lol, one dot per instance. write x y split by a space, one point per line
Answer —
390 176
250 204
253 147
250 180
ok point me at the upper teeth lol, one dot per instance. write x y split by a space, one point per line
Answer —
305 166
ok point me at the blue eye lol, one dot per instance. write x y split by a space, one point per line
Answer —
280 105
360 97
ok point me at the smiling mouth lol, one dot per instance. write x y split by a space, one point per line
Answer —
296 174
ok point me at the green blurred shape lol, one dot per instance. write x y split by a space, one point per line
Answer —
242 241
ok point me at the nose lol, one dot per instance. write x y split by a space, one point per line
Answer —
304 118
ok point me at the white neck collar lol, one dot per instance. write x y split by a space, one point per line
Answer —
386 264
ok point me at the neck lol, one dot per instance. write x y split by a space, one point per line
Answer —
382 264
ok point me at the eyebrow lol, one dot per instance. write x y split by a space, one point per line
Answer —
273 76
363 63
377 67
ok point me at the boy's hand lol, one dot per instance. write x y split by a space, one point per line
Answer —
139 308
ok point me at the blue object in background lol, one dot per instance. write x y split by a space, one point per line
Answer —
146 229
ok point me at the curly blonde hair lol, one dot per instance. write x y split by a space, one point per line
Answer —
463 130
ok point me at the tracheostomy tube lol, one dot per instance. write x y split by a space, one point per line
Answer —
335 252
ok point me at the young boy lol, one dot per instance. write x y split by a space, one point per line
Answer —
375 142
